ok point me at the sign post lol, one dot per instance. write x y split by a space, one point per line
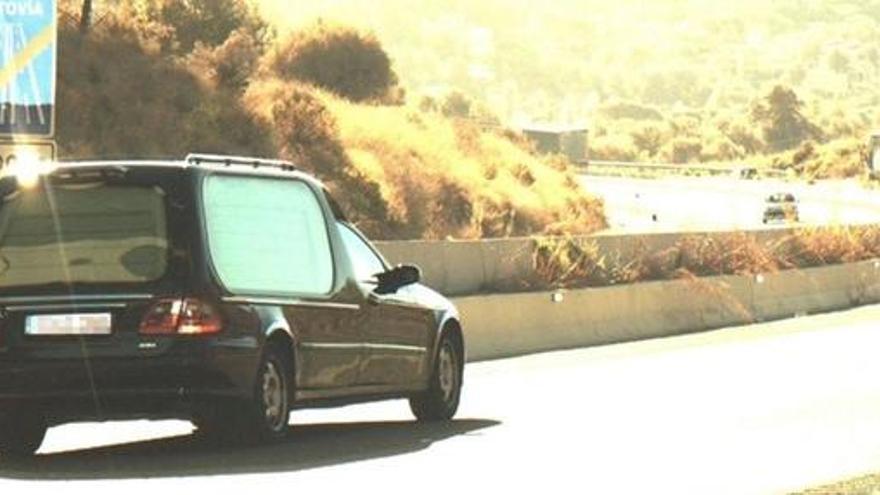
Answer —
28 47
874 155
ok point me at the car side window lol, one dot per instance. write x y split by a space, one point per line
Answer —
365 262
267 236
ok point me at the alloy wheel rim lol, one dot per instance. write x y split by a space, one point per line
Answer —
447 372
273 396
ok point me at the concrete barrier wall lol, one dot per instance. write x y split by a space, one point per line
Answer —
514 324
475 267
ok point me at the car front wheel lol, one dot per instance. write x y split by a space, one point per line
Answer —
440 401
21 433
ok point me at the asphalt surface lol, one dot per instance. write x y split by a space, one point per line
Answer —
768 408
719 203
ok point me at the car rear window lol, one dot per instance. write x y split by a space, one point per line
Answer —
83 233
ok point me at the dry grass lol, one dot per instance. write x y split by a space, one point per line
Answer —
863 485
570 262
574 262
403 173
126 89
840 158
444 177
828 246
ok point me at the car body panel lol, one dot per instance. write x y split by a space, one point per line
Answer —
782 207
349 345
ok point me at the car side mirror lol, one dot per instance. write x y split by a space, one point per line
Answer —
397 277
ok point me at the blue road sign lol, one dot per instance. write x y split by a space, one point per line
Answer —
28 42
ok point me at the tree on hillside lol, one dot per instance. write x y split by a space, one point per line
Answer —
339 59
120 96
456 104
783 124
209 22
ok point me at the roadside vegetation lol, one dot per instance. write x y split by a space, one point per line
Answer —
160 78
775 131
578 262
789 84
863 485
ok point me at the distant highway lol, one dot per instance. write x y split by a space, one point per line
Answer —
762 409
723 203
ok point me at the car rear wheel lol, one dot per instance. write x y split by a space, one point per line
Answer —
440 401
263 417
21 433
272 411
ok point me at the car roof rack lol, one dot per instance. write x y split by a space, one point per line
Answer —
229 160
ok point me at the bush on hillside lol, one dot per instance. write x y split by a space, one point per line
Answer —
339 59
649 139
628 110
613 147
683 150
837 159
206 22
456 104
743 134
229 65
118 96
718 147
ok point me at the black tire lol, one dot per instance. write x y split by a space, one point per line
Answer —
261 418
269 411
215 422
440 401
21 433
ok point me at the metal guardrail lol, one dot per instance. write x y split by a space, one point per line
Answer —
597 167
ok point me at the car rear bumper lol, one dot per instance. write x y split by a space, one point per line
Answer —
171 382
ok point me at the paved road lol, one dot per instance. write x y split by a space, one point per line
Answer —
761 409
720 203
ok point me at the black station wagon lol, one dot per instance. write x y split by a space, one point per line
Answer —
222 290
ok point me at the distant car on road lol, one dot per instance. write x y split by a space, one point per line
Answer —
221 290
745 173
781 207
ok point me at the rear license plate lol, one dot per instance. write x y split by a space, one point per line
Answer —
74 324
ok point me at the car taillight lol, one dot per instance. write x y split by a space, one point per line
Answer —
187 316
198 318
